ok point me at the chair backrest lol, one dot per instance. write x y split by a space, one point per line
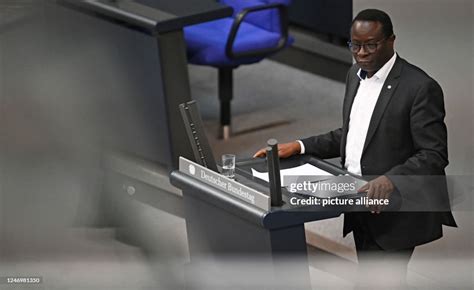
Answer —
267 19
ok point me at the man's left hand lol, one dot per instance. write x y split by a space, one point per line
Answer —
378 188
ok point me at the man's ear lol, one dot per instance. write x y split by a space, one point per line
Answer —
391 40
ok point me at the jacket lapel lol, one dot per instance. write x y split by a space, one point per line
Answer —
352 87
386 94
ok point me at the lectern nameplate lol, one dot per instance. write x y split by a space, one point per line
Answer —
225 184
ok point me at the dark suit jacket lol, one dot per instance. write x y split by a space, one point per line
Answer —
406 137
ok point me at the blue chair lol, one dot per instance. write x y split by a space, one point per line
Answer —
257 29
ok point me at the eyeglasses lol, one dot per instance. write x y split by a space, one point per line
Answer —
368 47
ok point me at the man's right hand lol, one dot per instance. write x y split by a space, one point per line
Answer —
285 150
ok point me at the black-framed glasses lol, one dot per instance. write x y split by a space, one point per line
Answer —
369 47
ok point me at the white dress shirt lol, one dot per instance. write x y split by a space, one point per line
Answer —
361 113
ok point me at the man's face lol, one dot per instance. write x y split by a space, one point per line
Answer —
370 32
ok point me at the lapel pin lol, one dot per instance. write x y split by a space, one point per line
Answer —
389 87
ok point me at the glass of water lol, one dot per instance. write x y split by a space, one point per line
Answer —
228 165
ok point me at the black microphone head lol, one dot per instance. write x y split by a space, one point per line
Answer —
272 142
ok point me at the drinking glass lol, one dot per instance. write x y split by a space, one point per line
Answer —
228 165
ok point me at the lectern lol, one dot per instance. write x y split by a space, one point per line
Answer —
227 218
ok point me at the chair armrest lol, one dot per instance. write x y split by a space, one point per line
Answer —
283 11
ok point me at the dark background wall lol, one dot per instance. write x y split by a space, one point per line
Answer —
331 17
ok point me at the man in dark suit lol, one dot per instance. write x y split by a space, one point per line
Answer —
393 128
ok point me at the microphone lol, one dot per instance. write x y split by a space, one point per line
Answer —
273 163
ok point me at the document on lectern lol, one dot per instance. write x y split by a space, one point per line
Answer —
312 172
310 180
